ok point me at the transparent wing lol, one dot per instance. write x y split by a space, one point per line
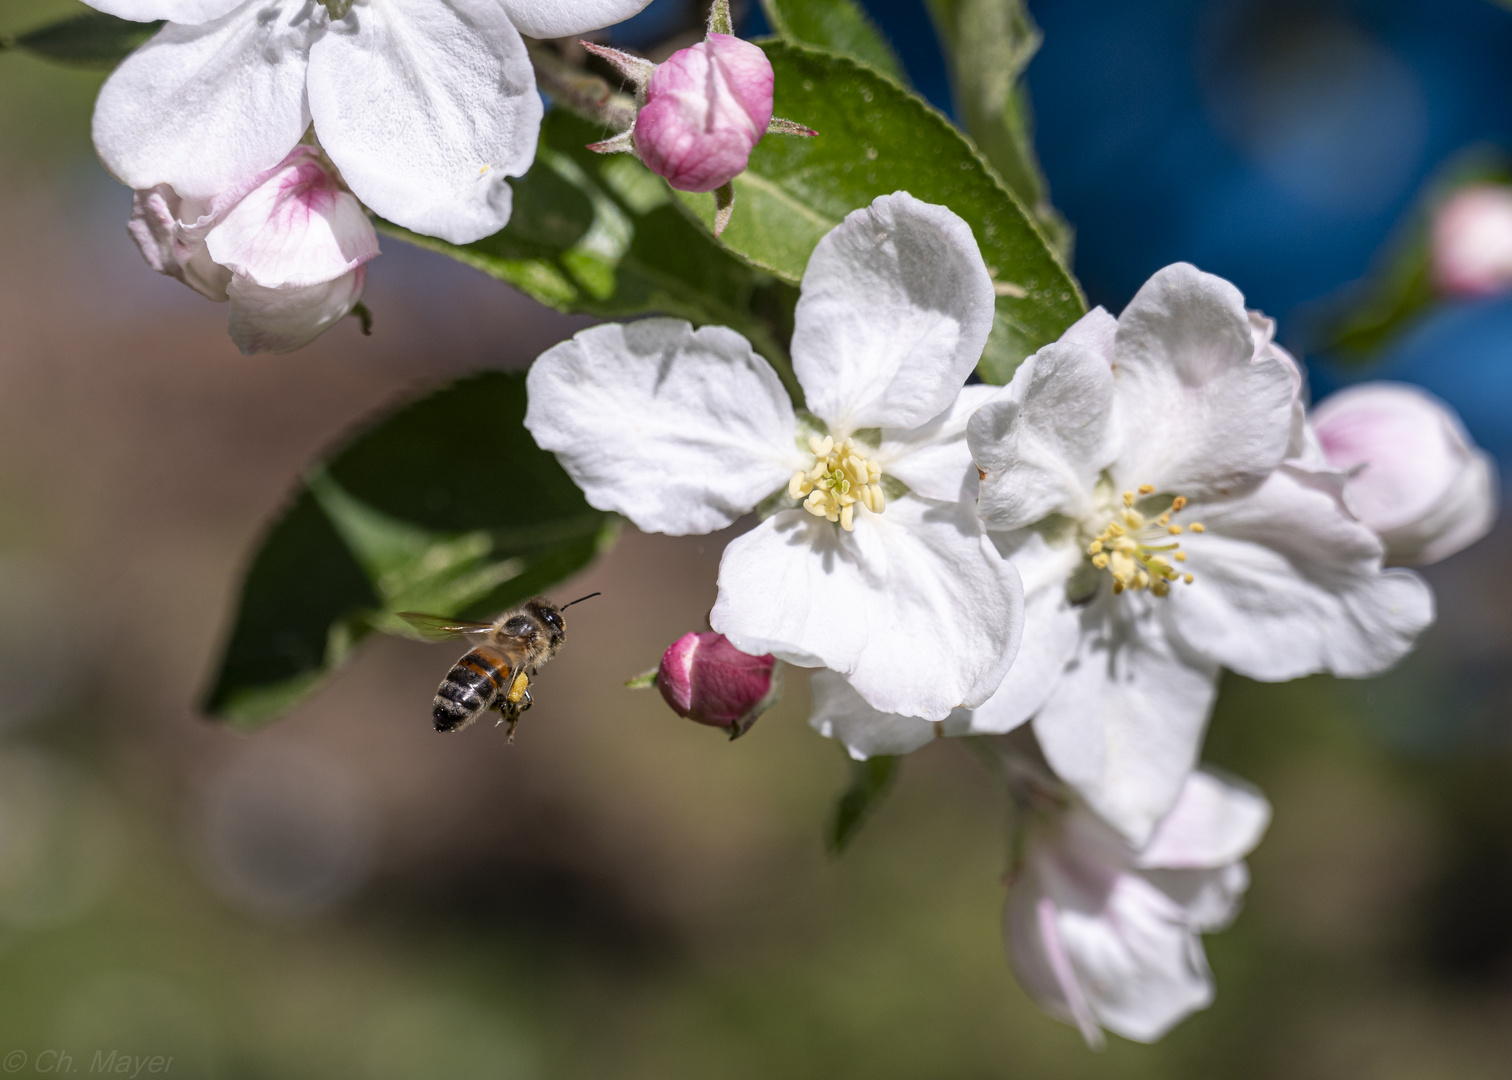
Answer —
443 627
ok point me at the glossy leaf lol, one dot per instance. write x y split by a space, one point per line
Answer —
876 138
838 26
870 781
92 39
599 234
445 506
989 43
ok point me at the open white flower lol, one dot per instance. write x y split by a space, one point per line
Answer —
425 105
878 568
1106 935
1138 472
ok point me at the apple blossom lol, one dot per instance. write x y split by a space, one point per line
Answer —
287 248
708 680
701 112
424 105
1472 241
706 108
1415 477
877 568
1137 474
1103 934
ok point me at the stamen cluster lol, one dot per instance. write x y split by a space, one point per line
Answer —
840 478
1133 548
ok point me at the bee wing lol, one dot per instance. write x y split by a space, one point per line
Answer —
442 627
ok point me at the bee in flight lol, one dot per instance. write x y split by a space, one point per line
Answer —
496 672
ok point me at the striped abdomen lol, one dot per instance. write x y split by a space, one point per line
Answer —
469 688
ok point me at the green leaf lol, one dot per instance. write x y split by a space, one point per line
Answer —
445 506
599 234
838 26
876 138
870 781
989 43
92 39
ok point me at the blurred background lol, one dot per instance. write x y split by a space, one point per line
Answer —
622 894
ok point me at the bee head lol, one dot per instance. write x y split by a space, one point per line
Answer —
550 617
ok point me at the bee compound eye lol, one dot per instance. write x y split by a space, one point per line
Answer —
553 620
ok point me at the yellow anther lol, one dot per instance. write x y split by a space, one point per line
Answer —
1137 551
840 477
1187 578
1197 526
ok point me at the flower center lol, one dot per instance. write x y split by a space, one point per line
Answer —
841 477
1139 551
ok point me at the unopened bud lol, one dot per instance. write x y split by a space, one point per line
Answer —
1472 241
706 108
705 678
1415 477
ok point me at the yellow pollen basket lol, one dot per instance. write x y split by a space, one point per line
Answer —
1138 551
841 477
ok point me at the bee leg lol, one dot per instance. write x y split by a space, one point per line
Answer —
513 723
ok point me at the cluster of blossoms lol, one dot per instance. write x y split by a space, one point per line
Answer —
1072 558
255 132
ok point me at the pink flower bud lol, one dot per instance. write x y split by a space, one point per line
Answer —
286 247
1415 477
706 108
1472 241
705 678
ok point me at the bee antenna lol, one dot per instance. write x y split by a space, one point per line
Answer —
580 599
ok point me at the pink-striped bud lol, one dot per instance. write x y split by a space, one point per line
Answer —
705 678
706 108
1472 241
1414 475
287 248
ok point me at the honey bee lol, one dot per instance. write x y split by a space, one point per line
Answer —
496 672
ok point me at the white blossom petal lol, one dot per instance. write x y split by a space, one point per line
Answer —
934 460
915 607
1288 582
895 311
282 320
188 12
175 247
1096 330
426 106
680 430
1124 724
1031 931
843 715
1052 628
1201 412
1133 950
556 18
297 228
1209 898
204 107
1044 442
1217 820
